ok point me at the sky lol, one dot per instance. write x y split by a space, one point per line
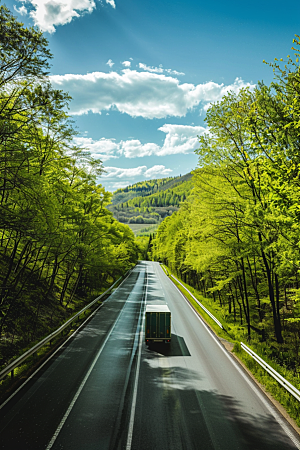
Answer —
142 73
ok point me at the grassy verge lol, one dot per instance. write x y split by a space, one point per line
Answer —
234 333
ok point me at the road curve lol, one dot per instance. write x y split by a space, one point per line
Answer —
106 390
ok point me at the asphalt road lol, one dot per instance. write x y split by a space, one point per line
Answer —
106 390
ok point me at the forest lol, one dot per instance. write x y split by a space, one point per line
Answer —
147 187
150 201
237 238
59 244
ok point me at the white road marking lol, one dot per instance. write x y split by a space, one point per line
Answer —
50 357
54 437
59 348
253 386
136 382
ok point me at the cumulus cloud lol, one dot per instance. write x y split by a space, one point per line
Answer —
157 170
103 149
22 10
117 172
179 139
126 63
117 185
134 148
47 14
139 94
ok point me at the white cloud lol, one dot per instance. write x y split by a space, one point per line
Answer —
22 10
110 63
126 63
103 149
151 69
179 139
134 148
174 72
114 186
111 3
47 14
159 69
157 170
144 94
117 172
212 92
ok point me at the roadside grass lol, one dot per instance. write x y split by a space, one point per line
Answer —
235 333
278 392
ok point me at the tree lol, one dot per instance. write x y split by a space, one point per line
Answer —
58 240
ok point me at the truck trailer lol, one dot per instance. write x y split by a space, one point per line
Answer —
158 324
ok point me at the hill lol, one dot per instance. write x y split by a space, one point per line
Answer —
148 187
149 202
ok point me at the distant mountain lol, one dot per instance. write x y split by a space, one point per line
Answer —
150 201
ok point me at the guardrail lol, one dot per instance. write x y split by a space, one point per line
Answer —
200 304
17 362
288 386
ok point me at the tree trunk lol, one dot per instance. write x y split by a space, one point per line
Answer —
276 318
10 267
247 300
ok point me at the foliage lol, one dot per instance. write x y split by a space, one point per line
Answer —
147 187
236 238
151 201
58 241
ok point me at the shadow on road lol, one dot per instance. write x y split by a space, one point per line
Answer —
185 415
177 347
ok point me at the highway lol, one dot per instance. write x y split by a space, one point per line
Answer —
106 390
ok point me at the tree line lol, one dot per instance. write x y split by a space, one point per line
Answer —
58 240
142 188
152 208
164 198
148 188
237 238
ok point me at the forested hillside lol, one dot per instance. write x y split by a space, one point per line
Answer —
59 244
147 187
150 201
237 238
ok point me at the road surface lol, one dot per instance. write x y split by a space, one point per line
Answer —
106 390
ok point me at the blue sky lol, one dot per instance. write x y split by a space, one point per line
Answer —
143 73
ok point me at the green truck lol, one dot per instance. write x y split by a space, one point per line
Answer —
158 324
